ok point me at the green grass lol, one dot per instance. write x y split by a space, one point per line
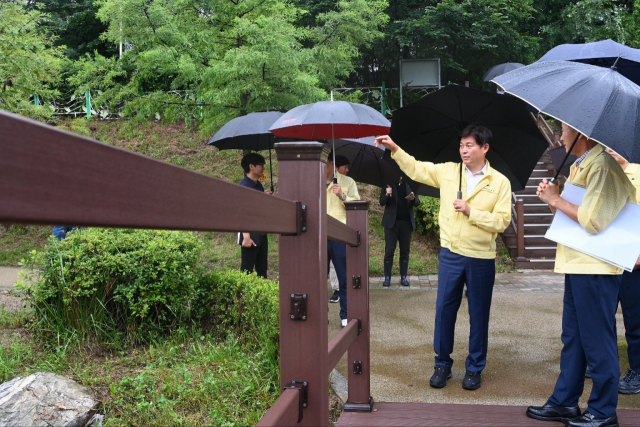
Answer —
186 379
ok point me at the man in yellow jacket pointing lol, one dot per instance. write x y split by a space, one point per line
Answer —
475 205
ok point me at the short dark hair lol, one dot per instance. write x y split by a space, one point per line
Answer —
341 161
251 159
481 134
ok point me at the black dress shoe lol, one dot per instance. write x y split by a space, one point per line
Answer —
440 376
472 380
553 413
588 420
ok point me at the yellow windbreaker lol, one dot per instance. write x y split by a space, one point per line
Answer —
633 173
335 206
490 202
608 189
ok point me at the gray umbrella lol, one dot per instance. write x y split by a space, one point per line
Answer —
598 102
250 132
500 69
603 53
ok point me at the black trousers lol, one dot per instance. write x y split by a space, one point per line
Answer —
401 232
256 256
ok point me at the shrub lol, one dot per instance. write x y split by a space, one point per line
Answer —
230 302
426 215
106 282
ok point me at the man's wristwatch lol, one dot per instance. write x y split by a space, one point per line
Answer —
343 197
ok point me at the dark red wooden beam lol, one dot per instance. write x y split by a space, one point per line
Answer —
49 176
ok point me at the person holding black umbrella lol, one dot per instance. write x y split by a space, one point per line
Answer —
475 205
398 222
591 290
255 246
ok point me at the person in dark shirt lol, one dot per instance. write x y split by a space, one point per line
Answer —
398 222
255 246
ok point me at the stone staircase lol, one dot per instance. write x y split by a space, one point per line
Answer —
536 252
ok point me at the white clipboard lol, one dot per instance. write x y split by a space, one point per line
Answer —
618 244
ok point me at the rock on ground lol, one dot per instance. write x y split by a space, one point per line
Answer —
45 399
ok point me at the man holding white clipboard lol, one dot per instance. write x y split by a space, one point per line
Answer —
591 289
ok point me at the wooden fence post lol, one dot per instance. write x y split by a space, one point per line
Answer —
303 274
358 362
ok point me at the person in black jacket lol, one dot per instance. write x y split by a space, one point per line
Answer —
398 222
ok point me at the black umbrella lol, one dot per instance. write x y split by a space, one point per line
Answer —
250 132
366 164
603 53
598 102
498 70
330 120
430 128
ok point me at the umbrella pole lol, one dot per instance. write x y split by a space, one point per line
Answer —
333 143
460 182
555 178
270 170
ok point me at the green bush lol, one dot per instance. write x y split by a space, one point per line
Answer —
426 215
104 283
230 302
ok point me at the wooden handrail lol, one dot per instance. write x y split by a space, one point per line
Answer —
342 233
49 176
520 230
341 342
284 412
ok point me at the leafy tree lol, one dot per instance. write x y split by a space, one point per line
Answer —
469 36
29 64
588 21
76 27
233 57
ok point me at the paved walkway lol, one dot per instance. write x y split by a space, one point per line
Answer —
526 282
8 277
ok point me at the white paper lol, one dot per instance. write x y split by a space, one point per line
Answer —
618 244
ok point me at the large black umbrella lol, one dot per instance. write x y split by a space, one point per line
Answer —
430 128
250 132
331 120
603 53
498 70
598 102
367 165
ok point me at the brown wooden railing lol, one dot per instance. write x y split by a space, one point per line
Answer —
552 137
49 176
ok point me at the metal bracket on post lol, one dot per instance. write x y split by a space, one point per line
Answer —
298 307
357 281
302 387
301 218
359 242
357 367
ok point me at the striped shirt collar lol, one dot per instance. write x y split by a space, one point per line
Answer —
581 158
